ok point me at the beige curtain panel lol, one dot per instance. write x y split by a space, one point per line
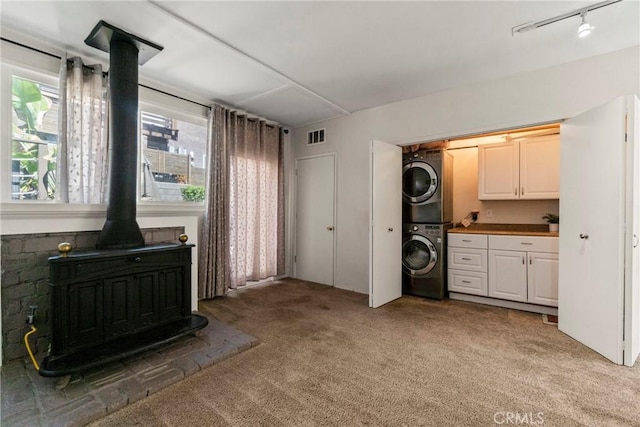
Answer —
81 170
243 235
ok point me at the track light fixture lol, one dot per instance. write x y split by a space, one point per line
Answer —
583 30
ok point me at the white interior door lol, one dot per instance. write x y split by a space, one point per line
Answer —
315 219
385 231
632 289
592 235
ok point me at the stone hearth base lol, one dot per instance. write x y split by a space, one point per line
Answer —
31 400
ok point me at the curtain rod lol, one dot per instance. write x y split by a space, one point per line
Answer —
43 52
53 55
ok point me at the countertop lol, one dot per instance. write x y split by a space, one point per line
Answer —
506 229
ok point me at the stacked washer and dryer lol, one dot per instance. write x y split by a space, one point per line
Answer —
427 211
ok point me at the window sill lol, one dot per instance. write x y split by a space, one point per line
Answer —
72 210
29 209
49 217
170 209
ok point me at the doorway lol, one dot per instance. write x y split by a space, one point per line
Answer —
315 232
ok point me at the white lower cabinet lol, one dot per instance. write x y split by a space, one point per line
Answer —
467 264
468 282
468 259
508 275
524 268
542 278
515 268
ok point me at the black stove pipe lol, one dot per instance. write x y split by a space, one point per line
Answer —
121 229
126 52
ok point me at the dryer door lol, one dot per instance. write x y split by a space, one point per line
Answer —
419 255
419 181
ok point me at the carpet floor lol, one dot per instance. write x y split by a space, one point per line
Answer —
326 359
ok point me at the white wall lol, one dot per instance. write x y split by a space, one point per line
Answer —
538 97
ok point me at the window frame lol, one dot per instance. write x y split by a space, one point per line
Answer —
168 106
20 216
44 71
28 73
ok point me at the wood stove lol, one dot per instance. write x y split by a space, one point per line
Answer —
125 297
107 305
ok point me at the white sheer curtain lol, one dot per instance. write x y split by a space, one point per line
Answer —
243 234
254 169
83 141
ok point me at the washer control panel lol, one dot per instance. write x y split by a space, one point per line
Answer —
424 229
422 155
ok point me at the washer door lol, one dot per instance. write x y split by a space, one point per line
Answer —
419 255
419 181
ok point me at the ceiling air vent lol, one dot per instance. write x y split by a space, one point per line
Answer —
315 137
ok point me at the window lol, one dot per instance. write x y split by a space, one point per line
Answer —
34 139
173 158
173 135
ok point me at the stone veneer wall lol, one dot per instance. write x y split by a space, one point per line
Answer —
25 282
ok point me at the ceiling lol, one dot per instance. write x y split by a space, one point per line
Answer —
302 62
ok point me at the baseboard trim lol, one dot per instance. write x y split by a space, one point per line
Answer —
505 304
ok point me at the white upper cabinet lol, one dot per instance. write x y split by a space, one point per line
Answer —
525 169
540 168
498 171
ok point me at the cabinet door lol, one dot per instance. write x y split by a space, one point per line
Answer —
498 171
118 306
85 302
540 168
508 275
146 300
172 295
542 277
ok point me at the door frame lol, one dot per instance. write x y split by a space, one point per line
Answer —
631 291
334 155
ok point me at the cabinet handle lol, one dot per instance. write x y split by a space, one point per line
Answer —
467 241
526 243
137 259
584 236
530 261
466 281
635 240
522 191
390 229
522 260
515 191
466 259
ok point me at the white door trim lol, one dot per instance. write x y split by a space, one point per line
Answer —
631 337
335 216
